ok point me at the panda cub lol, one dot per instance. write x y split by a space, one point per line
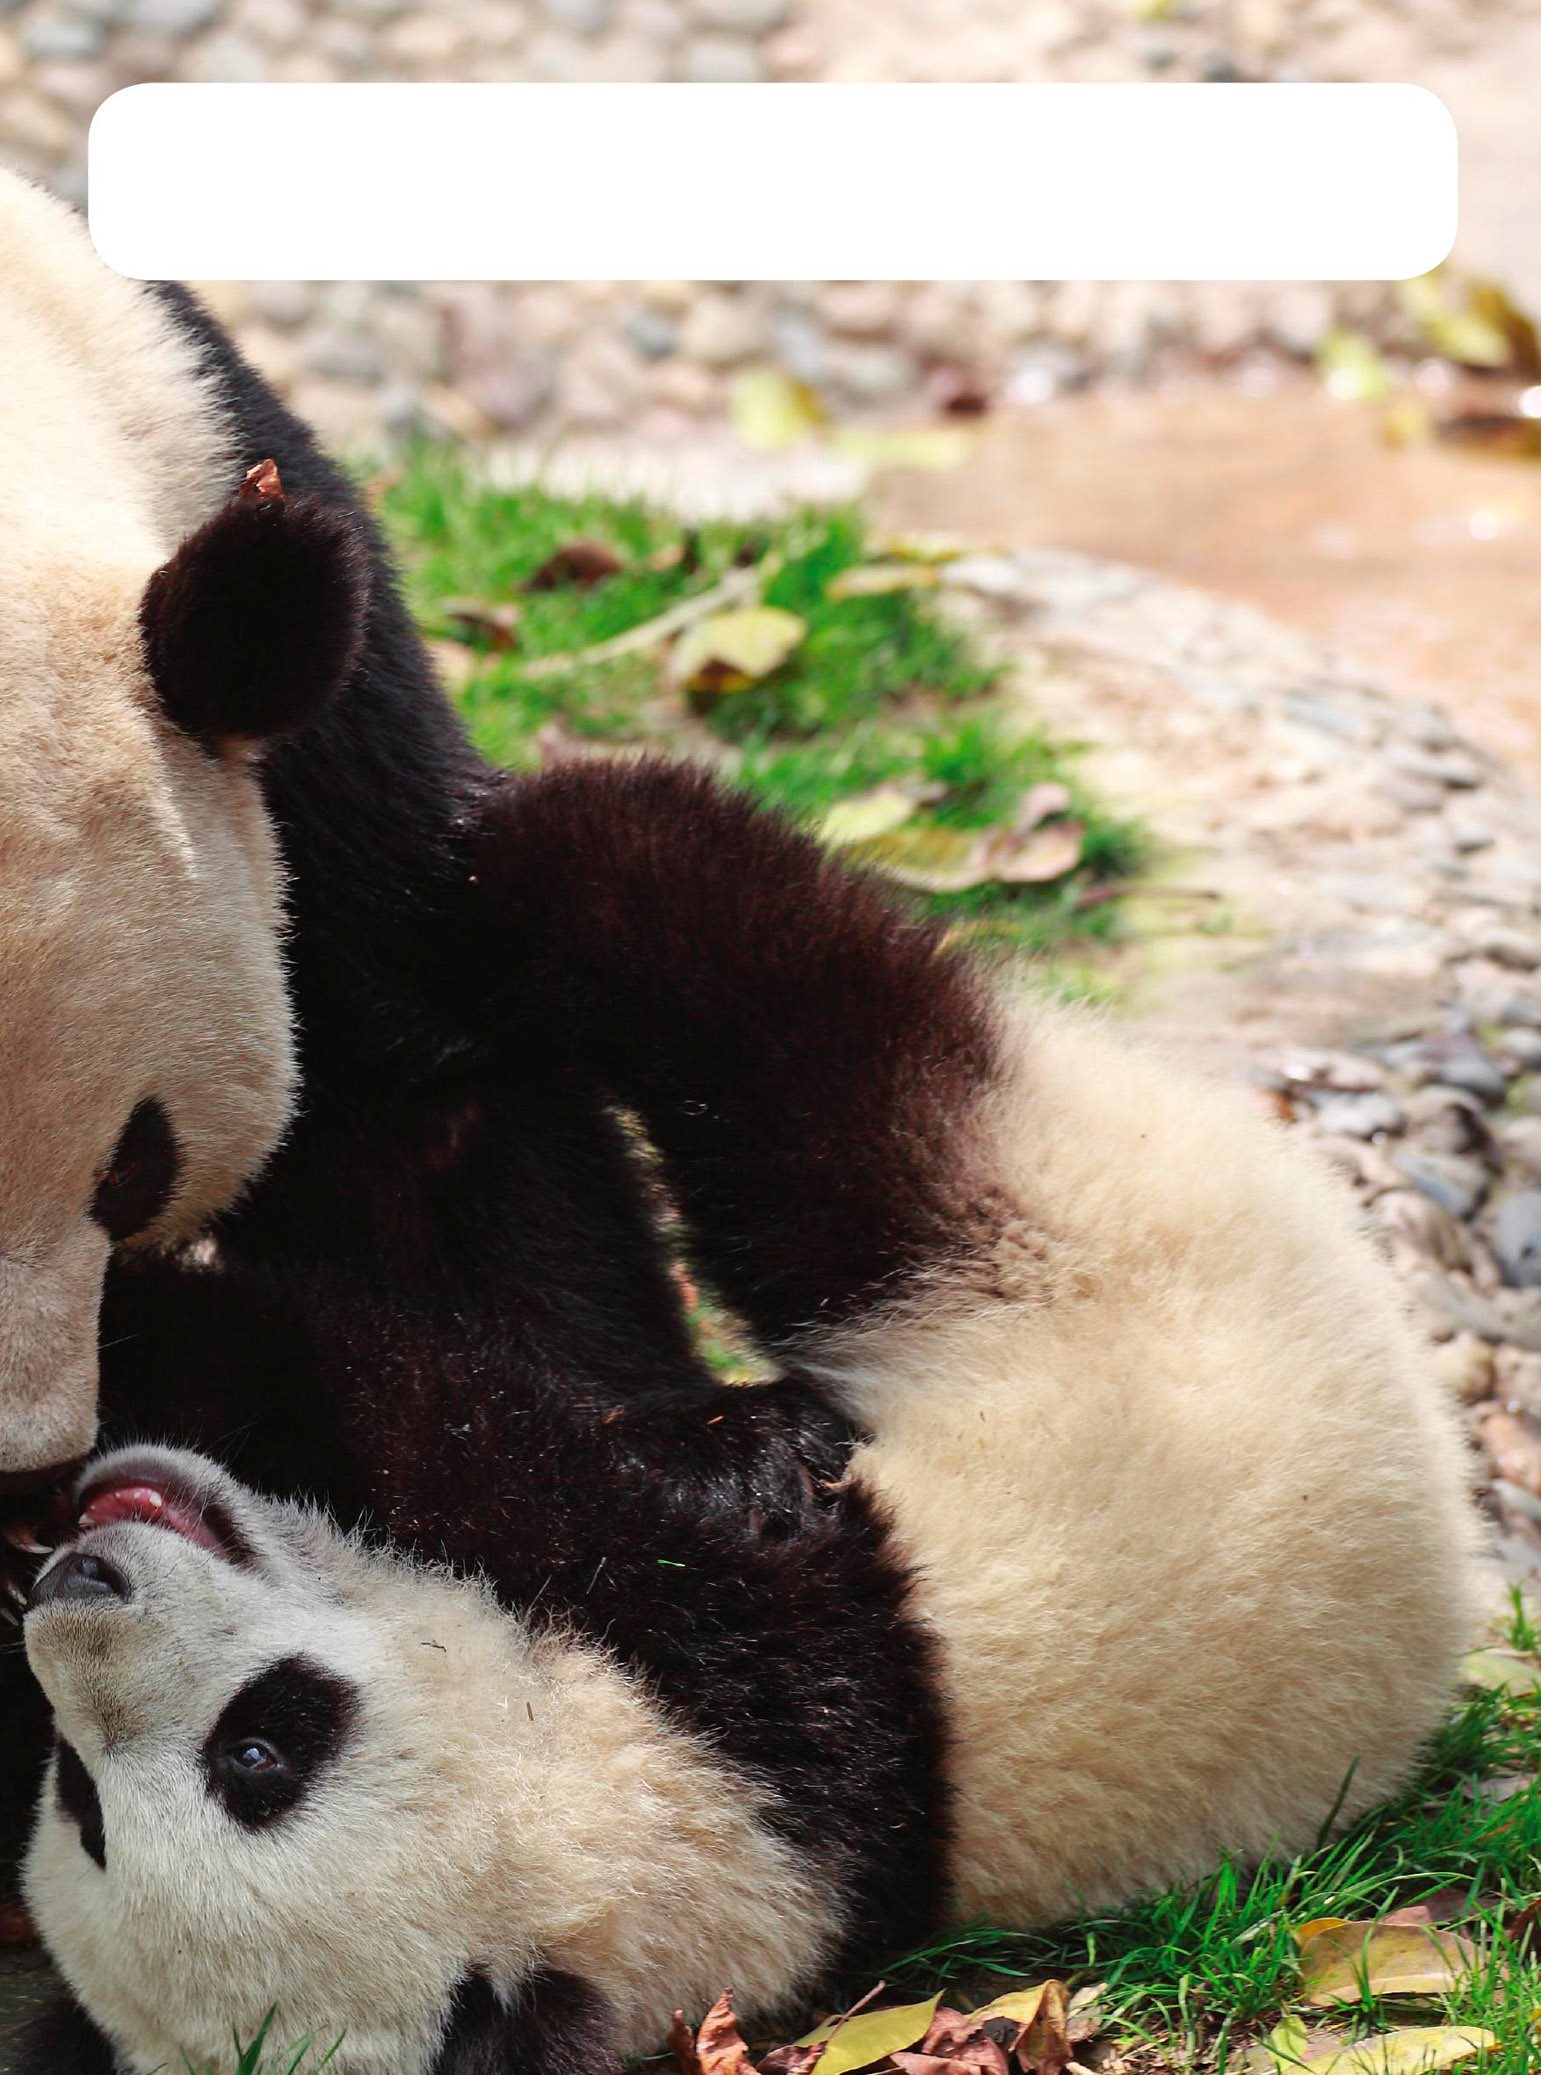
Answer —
1097 1493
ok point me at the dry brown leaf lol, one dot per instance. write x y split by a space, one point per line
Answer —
16 1925
261 485
577 562
682 2044
792 2060
1038 857
1337 1965
1038 803
495 625
719 2046
732 650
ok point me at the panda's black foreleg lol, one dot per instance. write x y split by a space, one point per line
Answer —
805 1055
557 2025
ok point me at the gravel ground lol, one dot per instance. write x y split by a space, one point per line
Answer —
659 358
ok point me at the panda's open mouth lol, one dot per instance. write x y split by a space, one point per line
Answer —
156 1500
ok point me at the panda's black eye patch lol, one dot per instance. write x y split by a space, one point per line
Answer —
78 1798
140 1175
271 1741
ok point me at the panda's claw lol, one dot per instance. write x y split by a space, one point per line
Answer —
23 1538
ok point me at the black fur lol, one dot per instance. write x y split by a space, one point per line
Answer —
142 1174
80 1802
257 619
558 2026
446 1304
295 1718
64 2041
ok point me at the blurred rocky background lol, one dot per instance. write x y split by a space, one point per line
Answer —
660 360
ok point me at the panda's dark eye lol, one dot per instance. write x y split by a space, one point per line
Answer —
255 1755
140 1175
275 1738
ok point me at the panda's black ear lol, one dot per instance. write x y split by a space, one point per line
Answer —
558 2025
258 618
63 2041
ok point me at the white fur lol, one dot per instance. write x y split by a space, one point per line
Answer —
139 899
1189 1516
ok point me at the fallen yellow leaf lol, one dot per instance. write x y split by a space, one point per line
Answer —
929 859
1022 2005
935 548
733 649
1340 1964
772 409
866 815
857 2042
1411 2050
1313 1928
1408 2051
876 579
1509 1671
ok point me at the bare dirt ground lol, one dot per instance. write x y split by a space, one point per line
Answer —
1418 562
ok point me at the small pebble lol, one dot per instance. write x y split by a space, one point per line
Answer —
1521 1143
1457 1185
1476 1073
1514 948
1514 1443
1517 1379
1448 1120
1522 1048
1409 1214
1517 1239
1360 1116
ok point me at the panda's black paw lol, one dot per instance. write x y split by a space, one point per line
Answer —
762 1459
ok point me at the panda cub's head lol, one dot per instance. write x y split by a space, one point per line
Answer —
270 1789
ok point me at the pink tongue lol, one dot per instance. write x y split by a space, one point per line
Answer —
147 1504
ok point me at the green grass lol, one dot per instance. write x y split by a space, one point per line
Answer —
882 690
255 2058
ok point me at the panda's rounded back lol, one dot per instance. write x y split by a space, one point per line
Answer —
1188 1514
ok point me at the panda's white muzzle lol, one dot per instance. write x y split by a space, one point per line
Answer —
49 1306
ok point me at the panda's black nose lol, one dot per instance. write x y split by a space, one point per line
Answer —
80 1576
